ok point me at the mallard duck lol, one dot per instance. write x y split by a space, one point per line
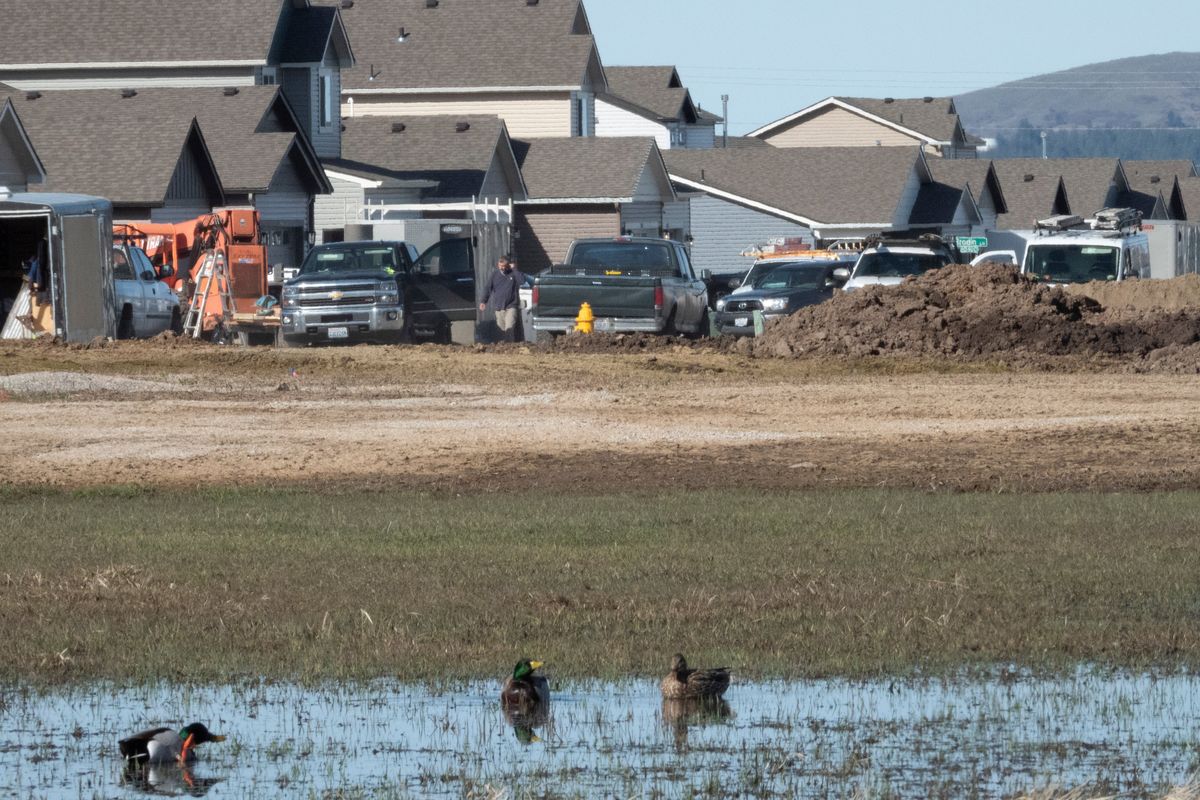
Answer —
163 745
523 690
682 682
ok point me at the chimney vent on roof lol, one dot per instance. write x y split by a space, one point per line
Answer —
402 36
1028 178
32 95
398 127
927 99
531 2
127 93
889 99
431 3
1155 179
231 91
347 4
462 127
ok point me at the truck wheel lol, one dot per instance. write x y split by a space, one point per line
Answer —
176 322
125 324
702 327
669 328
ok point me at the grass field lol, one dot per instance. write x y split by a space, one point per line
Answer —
133 585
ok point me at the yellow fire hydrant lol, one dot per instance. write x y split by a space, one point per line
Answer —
586 320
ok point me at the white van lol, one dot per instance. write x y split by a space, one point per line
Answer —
1070 249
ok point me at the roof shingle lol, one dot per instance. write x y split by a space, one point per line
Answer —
656 89
584 168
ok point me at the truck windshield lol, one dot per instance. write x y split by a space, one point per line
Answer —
621 257
1072 263
772 277
350 259
890 264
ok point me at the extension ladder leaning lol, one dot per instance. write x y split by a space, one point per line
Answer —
213 276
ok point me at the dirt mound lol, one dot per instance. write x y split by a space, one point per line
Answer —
1175 294
982 312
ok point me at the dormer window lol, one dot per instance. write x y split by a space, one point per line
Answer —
326 99
268 77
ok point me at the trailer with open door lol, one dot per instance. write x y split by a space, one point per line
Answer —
56 272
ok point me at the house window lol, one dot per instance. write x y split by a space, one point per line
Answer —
269 76
326 99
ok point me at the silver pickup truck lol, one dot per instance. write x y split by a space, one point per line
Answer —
632 284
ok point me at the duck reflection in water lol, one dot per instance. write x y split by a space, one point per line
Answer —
526 723
681 714
171 780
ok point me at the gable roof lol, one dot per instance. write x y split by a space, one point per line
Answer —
63 32
813 186
431 149
587 169
469 45
1087 181
1030 195
12 128
979 174
1189 195
1151 182
655 89
933 120
127 152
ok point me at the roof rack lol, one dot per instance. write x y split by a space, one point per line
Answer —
1117 219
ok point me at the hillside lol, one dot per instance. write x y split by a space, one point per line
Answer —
1160 91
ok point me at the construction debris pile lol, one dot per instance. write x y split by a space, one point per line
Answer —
988 312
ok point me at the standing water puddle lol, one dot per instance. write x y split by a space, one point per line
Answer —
1127 734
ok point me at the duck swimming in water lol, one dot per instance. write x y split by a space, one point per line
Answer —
682 682
165 746
524 691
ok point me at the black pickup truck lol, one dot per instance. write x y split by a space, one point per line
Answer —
632 284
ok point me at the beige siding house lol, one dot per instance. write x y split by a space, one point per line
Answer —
932 123
534 65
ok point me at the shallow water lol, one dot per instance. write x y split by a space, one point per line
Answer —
1127 734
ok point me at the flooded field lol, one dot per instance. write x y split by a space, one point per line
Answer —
1004 736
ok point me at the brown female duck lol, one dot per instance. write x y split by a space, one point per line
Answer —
682 682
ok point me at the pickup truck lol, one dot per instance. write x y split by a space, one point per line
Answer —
632 284
373 292
146 305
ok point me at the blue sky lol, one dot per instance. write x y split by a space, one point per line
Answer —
773 57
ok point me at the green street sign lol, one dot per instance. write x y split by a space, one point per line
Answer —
971 244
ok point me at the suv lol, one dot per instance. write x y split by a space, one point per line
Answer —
776 288
887 260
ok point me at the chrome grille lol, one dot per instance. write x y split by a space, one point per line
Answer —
743 305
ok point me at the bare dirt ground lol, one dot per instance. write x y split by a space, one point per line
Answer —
451 419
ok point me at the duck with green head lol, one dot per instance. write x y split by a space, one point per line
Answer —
523 690
164 745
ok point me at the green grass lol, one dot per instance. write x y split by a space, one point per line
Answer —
134 585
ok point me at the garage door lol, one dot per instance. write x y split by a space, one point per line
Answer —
545 235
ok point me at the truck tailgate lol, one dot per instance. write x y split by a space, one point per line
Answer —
609 296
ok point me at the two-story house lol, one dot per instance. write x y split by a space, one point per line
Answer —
652 101
532 63
930 122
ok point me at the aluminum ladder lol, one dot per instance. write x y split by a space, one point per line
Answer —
213 275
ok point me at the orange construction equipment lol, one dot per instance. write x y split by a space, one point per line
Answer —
233 232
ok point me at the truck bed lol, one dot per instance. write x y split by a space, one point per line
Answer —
609 295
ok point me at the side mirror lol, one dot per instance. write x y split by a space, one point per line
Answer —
734 283
148 275
166 271
842 274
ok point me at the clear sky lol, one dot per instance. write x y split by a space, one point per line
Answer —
773 57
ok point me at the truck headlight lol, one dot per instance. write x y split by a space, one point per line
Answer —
775 304
721 304
387 299
289 296
387 293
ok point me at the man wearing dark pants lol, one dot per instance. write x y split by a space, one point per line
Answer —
502 294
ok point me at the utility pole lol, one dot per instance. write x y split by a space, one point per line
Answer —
1044 137
725 120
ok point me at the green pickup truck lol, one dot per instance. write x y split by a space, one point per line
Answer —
632 285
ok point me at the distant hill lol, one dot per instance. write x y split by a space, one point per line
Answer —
1160 91
1143 107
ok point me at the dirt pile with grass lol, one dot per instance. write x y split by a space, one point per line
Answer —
1145 295
980 313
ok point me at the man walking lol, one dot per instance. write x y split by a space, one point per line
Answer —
502 295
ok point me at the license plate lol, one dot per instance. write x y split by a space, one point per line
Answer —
741 322
604 324
339 333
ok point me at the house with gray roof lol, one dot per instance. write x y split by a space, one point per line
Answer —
129 44
260 153
745 197
931 122
1154 187
533 63
150 165
20 165
963 196
588 187
438 170
1036 188
652 101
